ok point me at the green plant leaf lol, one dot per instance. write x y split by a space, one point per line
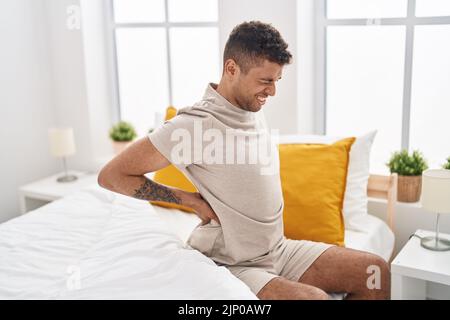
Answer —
404 164
447 164
122 131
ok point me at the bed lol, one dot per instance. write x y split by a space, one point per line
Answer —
96 244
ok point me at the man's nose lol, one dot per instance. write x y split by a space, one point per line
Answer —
271 90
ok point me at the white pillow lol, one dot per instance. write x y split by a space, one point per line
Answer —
355 200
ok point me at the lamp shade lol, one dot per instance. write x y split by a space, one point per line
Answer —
62 143
436 190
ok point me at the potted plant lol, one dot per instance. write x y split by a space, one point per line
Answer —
409 169
122 135
447 164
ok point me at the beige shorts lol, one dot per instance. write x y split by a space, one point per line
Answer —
289 260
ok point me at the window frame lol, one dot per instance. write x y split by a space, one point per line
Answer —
410 22
111 38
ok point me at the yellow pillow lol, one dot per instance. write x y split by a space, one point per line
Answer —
170 113
313 179
171 176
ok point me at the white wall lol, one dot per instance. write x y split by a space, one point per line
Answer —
281 110
99 79
26 105
83 79
50 77
68 66
306 66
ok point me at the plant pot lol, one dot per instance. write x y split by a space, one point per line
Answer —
119 146
409 188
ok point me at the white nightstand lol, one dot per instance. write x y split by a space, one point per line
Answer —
416 267
39 193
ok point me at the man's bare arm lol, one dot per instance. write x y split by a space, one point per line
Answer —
150 190
125 174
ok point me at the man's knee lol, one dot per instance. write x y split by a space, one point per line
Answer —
377 263
312 293
283 289
318 294
378 267
308 292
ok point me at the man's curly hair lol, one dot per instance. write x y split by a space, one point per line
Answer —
250 43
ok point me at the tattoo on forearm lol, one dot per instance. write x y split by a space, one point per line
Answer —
155 192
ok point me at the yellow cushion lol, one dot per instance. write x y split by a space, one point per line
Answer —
171 176
313 179
170 113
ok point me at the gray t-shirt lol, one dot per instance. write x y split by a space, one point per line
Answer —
245 194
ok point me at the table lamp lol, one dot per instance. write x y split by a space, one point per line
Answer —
436 198
62 145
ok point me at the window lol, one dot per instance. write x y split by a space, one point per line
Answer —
430 8
383 64
430 101
165 53
353 9
365 82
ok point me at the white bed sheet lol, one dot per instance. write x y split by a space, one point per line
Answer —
124 248
107 246
376 238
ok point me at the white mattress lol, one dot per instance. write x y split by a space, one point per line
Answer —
377 237
108 246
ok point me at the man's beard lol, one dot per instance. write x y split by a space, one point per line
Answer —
244 103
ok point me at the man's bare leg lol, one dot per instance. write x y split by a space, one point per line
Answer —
283 289
342 270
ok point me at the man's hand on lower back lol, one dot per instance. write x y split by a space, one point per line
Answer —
200 205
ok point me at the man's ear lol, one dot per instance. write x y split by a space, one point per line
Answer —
231 69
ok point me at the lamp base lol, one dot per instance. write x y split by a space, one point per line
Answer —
430 243
68 178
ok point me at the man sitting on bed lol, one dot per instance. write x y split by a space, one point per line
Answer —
241 204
